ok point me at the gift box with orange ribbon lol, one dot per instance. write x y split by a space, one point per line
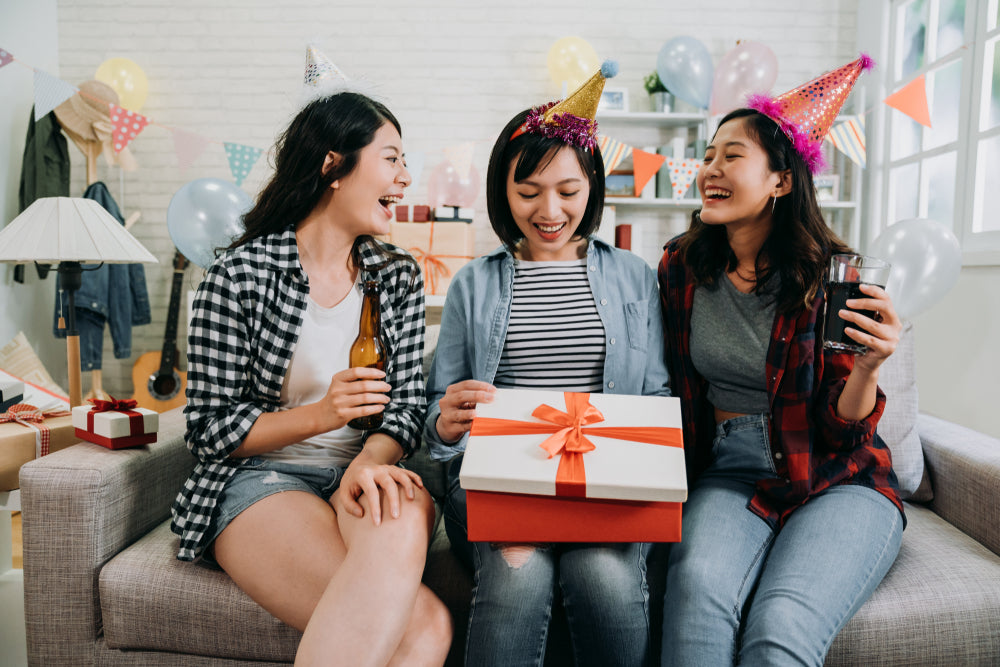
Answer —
546 466
115 424
441 249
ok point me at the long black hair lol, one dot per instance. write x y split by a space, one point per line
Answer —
343 123
531 152
800 243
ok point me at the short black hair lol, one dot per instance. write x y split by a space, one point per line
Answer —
532 151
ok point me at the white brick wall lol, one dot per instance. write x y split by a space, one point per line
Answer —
454 71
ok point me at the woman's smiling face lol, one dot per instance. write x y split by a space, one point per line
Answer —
548 206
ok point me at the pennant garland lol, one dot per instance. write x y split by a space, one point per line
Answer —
911 99
682 173
128 124
5 58
50 92
644 166
188 147
613 152
242 158
849 138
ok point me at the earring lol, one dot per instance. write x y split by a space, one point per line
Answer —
774 202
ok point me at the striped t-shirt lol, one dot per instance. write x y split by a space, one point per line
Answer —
555 339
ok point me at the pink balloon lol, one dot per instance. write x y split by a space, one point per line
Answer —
749 68
446 187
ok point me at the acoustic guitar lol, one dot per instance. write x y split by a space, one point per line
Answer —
158 384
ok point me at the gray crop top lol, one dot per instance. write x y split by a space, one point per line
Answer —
730 334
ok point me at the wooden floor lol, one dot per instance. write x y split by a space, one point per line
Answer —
16 540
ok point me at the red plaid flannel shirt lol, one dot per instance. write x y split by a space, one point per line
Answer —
813 448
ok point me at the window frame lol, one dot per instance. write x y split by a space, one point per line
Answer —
885 21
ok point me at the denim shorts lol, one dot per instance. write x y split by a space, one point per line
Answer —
258 477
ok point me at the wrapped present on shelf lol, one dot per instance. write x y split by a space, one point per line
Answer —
441 249
28 432
115 424
11 392
547 466
453 214
421 213
402 213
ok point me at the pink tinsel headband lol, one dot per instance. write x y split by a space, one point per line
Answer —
566 127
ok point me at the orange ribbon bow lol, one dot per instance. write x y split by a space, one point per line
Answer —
568 437
30 416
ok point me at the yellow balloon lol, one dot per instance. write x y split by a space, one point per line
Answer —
573 60
127 79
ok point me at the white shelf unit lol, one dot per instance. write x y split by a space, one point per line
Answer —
644 128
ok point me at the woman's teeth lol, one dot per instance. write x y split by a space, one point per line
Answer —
389 200
550 229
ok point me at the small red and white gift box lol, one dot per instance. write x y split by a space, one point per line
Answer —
11 393
115 424
547 466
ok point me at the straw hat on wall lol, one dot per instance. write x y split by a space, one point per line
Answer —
86 119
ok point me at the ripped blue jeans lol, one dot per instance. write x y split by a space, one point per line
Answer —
602 587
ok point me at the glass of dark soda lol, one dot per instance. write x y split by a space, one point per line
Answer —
847 273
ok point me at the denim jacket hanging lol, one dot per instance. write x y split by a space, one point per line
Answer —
113 293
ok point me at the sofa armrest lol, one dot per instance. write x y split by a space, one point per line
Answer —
965 472
81 506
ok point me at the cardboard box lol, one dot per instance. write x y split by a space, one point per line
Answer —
441 249
18 445
116 429
619 478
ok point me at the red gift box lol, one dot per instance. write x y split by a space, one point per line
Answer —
621 481
115 424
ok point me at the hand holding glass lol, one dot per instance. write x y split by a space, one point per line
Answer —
847 273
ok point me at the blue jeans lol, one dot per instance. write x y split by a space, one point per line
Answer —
740 592
602 587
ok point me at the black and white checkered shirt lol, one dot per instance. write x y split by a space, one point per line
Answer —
246 319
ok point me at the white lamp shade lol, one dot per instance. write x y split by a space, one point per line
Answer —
69 229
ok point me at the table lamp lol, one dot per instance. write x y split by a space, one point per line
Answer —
70 232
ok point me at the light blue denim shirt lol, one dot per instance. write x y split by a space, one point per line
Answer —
477 310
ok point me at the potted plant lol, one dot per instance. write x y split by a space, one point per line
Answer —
659 97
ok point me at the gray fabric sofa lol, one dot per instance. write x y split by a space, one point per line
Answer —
102 586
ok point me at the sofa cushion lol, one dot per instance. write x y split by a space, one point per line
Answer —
151 600
898 426
936 606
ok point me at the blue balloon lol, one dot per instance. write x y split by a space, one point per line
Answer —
685 68
206 214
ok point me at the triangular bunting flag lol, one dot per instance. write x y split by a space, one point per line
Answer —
415 161
241 160
5 58
460 157
849 138
682 174
50 92
613 152
127 126
911 99
644 166
188 147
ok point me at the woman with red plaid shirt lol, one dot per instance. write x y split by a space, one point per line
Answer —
794 514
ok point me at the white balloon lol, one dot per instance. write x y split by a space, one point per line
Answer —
926 261
205 214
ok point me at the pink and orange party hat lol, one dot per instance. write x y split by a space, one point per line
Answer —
805 114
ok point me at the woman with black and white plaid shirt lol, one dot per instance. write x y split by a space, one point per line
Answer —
312 518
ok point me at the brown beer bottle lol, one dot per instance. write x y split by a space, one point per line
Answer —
368 349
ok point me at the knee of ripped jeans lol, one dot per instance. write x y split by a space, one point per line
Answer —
516 555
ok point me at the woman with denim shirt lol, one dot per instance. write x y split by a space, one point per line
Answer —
508 320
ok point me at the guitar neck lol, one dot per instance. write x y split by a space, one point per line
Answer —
168 357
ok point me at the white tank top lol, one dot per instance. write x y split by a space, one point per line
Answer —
322 351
